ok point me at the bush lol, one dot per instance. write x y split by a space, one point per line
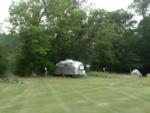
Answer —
9 78
102 74
3 63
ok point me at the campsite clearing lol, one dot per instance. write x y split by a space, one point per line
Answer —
80 95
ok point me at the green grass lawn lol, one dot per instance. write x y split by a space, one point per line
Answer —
81 95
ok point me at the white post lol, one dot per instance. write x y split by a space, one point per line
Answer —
45 71
104 69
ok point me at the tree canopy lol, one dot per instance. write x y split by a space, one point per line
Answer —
47 31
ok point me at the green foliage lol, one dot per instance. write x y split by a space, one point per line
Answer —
47 31
3 61
2 65
35 52
47 36
141 7
143 34
99 74
111 43
10 49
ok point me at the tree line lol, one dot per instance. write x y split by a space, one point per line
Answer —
44 32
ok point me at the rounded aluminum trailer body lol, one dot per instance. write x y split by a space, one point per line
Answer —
70 67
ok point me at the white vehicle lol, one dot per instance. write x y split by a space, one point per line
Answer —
70 68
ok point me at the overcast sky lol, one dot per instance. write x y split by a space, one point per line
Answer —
111 5
4 5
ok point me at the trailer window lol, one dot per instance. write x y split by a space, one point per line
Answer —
81 67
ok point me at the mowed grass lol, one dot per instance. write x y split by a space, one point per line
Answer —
80 95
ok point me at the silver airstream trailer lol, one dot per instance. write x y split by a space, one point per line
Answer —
70 68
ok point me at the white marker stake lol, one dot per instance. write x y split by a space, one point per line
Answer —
45 71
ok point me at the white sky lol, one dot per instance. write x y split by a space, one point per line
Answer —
109 5
4 5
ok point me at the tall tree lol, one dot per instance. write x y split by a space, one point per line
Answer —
44 28
142 7
111 33
26 18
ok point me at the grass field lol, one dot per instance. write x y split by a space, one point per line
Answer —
81 95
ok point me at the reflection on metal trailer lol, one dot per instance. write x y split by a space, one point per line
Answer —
70 67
